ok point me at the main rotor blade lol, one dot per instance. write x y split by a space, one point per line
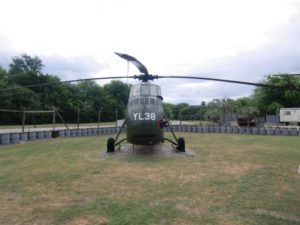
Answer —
134 61
63 82
227 81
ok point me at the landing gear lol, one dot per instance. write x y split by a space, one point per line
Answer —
110 145
181 144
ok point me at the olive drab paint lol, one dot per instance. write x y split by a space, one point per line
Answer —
145 112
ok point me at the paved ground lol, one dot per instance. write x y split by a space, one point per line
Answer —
161 150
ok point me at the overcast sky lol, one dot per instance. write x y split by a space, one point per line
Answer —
232 39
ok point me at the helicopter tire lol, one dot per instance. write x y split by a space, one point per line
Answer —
110 145
181 144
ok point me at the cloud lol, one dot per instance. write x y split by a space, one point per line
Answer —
5 51
240 41
4 60
194 92
281 54
66 68
72 67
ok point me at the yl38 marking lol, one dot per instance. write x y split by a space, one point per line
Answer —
144 116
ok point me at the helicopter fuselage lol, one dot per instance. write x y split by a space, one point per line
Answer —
145 113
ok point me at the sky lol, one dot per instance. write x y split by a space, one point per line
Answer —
233 39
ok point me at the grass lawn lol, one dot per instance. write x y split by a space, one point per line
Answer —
234 179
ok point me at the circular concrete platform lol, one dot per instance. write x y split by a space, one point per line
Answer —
161 150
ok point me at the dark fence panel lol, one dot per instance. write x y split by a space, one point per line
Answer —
13 138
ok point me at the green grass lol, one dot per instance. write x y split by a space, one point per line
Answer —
234 179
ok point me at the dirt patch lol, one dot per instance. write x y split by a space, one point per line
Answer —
48 196
152 174
10 206
91 156
235 169
279 215
89 219
182 222
191 209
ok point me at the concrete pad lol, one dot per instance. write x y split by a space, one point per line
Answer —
132 151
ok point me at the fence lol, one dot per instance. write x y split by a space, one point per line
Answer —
13 138
272 119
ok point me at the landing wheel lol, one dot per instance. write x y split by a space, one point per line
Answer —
181 145
110 145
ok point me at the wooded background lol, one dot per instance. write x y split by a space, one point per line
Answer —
89 97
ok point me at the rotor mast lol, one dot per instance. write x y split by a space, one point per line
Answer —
144 76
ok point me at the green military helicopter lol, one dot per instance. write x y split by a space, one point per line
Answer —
145 120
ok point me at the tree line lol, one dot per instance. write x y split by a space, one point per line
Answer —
86 96
263 101
90 98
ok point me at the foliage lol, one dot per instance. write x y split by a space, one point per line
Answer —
86 96
119 91
25 64
268 100
177 110
168 110
214 110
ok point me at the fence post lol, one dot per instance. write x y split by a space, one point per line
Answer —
78 118
116 117
99 117
23 121
54 118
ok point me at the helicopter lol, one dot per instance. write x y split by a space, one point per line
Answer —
145 115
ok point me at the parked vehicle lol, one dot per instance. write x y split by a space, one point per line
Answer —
246 122
290 116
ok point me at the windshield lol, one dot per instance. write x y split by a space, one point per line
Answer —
145 89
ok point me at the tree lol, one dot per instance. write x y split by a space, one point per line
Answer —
25 64
4 97
3 75
119 91
24 97
274 107
177 110
266 98
26 70
213 112
168 110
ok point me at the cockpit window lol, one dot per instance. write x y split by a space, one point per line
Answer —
136 90
145 89
152 101
158 100
153 90
142 101
145 101
158 91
